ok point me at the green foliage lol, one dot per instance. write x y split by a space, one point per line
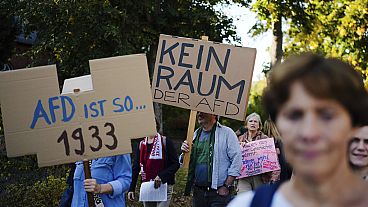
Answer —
232 123
255 99
175 121
22 183
269 12
339 30
332 28
9 28
42 193
72 32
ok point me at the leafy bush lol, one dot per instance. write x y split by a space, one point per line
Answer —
42 193
23 183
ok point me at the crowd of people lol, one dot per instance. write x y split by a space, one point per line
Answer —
317 120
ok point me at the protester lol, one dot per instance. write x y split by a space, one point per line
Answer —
215 162
253 132
316 103
156 159
286 171
111 177
358 152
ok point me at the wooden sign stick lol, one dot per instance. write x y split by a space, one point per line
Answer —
190 131
87 175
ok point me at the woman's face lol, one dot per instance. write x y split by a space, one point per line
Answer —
253 124
358 149
315 133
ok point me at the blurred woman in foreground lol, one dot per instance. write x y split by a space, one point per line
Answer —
316 103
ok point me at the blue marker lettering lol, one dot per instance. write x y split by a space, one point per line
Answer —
64 101
184 54
92 106
53 107
121 108
168 51
39 113
101 106
130 101
85 111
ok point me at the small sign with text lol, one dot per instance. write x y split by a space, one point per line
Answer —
258 157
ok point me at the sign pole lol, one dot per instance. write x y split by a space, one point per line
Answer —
87 175
190 131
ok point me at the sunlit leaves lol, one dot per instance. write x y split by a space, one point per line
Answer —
339 30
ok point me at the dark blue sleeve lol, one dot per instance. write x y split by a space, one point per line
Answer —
67 197
135 169
263 195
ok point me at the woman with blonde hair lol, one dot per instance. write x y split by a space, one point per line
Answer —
286 171
253 132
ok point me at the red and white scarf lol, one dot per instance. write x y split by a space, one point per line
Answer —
155 163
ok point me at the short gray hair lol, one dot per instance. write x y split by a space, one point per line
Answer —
254 114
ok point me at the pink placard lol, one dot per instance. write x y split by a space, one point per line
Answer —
258 157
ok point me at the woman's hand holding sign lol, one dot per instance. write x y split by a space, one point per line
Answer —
91 186
157 182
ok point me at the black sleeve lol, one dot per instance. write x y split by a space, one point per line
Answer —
67 197
286 169
172 162
70 180
135 170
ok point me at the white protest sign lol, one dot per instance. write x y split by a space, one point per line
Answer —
149 193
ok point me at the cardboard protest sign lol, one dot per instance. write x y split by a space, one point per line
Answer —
258 157
203 76
114 105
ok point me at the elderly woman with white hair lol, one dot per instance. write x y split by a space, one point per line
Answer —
253 132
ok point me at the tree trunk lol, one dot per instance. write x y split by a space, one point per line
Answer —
276 48
151 63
